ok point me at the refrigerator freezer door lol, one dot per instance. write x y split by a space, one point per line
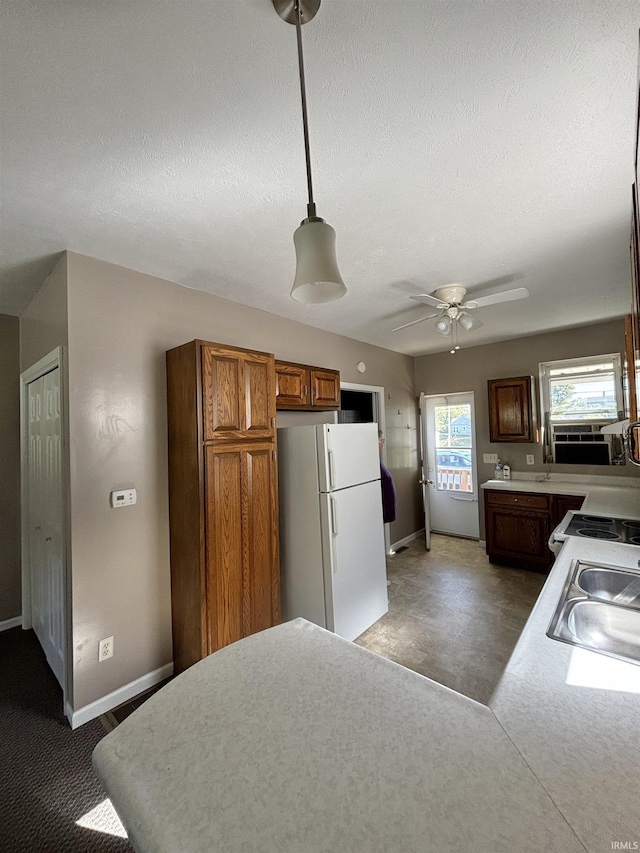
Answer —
355 575
347 455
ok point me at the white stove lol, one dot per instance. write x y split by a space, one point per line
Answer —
624 531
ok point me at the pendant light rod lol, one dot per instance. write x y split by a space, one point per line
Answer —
317 276
311 208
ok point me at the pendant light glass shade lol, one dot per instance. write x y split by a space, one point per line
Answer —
317 278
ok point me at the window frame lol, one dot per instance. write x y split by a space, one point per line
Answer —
545 396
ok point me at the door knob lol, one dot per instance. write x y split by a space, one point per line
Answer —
426 482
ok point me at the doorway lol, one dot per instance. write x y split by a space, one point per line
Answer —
449 469
361 404
44 586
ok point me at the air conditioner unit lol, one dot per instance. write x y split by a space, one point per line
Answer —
581 443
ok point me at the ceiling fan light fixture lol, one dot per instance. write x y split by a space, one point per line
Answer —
443 326
467 322
317 276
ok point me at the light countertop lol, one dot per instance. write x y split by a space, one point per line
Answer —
574 715
603 495
295 740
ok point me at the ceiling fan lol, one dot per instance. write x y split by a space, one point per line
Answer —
454 311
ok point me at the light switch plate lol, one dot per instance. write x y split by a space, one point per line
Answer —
125 497
490 457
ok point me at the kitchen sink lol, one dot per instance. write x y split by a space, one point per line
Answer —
616 585
599 610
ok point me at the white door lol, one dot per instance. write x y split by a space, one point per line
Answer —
355 573
45 517
448 424
424 476
347 455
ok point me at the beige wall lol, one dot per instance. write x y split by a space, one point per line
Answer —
10 594
470 368
120 325
43 324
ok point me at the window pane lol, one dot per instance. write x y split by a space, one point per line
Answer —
453 448
583 398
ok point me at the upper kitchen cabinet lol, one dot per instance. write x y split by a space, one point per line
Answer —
302 387
238 393
512 409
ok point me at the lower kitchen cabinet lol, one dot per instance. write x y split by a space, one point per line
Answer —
241 542
561 505
518 526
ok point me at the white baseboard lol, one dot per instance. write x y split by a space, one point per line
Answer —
11 623
482 543
117 697
407 539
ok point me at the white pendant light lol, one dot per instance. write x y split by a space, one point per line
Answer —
317 276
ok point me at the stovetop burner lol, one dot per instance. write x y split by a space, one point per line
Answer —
625 530
597 519
597 533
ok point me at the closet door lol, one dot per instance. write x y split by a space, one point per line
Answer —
46 543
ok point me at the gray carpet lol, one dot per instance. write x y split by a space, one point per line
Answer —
46 780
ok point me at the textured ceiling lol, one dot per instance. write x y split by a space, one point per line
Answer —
460 141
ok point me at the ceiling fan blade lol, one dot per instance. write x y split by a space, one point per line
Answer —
413 322
505 296
429 300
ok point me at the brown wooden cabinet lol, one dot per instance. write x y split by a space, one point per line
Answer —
518 526
512 409
560 506
223 502
300 386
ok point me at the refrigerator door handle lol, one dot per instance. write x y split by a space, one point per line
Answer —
332 469
334 517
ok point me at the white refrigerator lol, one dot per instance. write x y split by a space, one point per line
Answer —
332 551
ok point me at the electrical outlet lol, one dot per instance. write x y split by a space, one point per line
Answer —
530 459
105 649
490 458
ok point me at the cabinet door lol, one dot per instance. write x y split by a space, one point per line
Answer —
241 541
238 394
261 580
292 386
325 389
223 601
512 409
561 504
519 535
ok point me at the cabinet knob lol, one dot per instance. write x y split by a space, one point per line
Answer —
515 500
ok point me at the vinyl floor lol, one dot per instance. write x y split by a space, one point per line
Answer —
453 616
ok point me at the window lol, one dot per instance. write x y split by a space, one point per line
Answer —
581 389
579 396
453 446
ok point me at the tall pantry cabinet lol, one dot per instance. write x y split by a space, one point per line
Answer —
223 501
